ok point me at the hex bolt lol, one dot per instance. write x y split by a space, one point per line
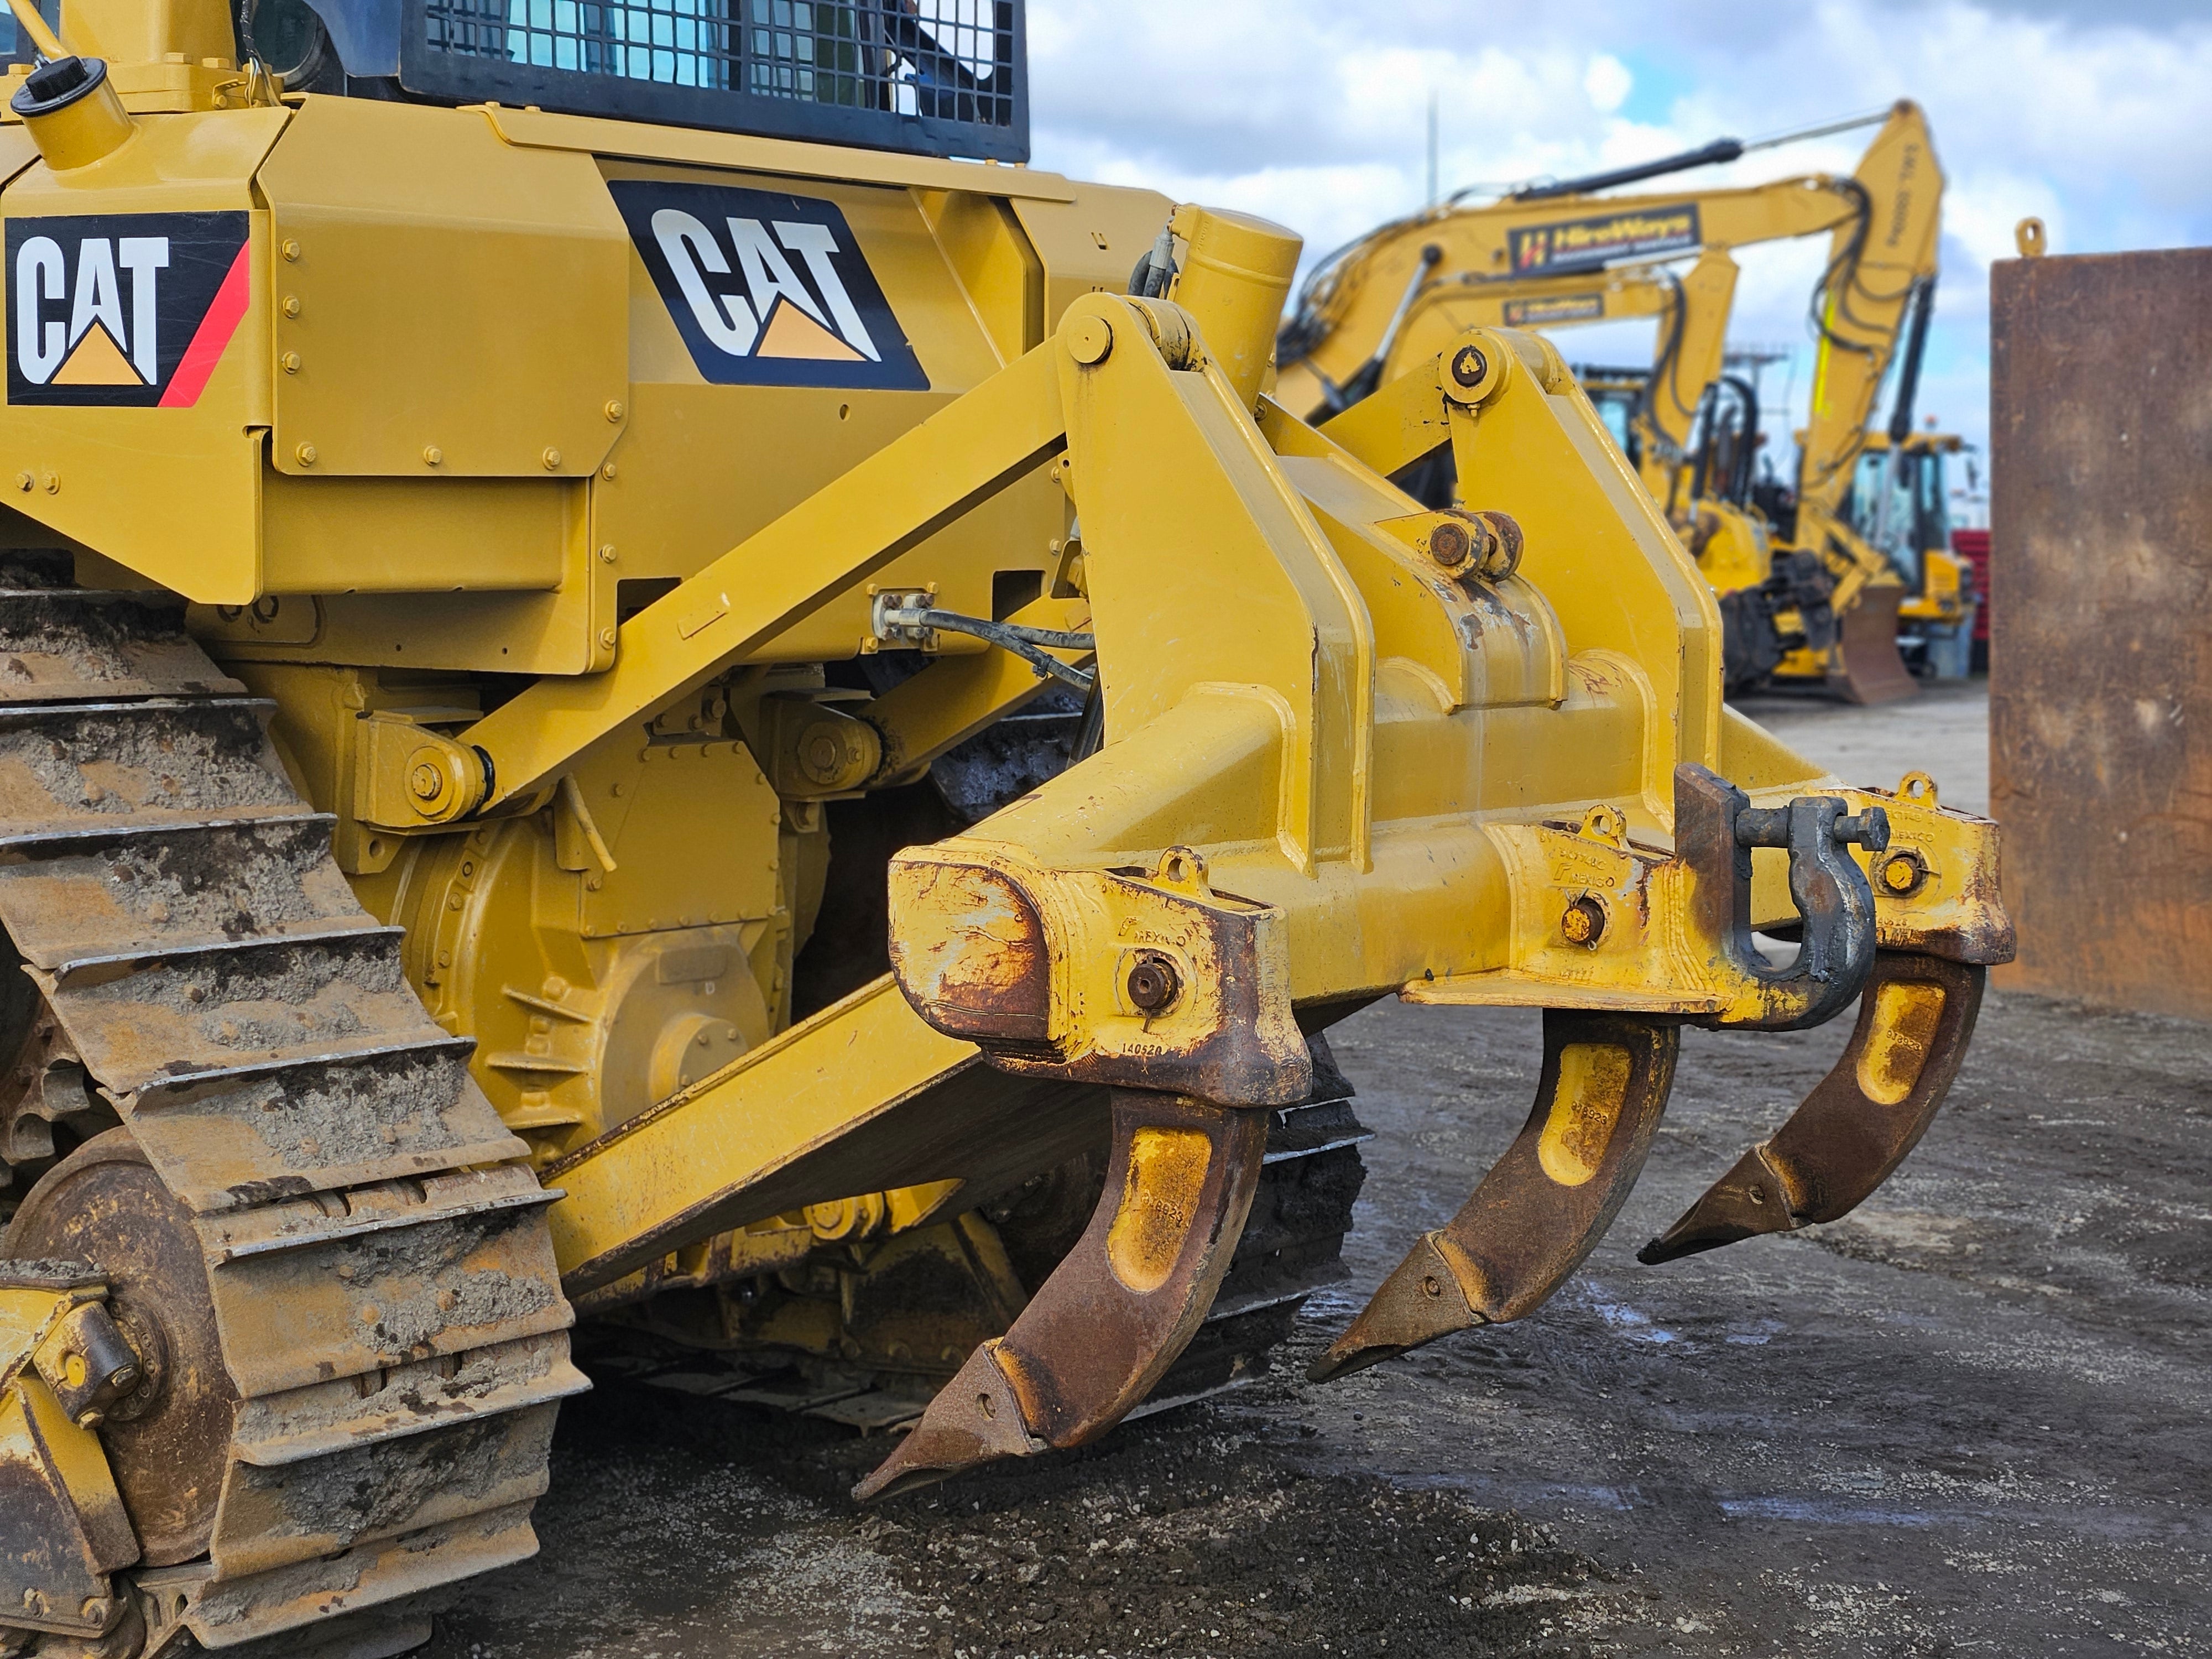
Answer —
1468 366
1584 922
1154 984
1870 828
1903 874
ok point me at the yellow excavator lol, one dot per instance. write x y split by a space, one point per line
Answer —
651 712
1552 251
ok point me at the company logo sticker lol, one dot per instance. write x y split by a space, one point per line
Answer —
122 310
1566 308
766 289
1587 244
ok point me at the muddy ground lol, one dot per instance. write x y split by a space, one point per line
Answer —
1975 1418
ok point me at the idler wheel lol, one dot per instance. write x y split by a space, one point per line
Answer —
166 1441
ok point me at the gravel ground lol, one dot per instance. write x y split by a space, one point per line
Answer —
1944 730
1973 1419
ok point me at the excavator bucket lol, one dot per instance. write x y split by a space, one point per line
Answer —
806 841
1864 666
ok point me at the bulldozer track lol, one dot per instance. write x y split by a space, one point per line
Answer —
1291 1247
392 1336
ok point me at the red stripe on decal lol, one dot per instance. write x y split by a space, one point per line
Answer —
212 336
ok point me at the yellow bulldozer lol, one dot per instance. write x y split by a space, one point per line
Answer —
644 693
1809 599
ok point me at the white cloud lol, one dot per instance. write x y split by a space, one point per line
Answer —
1315 114
1609 82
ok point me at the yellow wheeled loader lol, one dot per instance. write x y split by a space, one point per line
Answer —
628 694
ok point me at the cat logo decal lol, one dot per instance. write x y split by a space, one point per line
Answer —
767 289
123 310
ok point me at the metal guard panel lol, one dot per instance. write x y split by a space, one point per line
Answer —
447 306
930 77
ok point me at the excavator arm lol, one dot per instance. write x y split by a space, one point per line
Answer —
1692 307
1550 256
1344 310
1396 291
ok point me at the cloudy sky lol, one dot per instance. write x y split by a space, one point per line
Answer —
2095 115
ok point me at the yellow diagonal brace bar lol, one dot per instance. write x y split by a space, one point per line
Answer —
896 498
860 1096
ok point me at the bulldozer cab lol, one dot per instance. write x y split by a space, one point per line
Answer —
928 77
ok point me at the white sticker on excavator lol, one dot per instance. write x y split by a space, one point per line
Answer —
767 289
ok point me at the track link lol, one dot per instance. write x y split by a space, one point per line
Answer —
393 1338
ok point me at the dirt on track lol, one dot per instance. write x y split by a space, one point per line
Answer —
1975 1418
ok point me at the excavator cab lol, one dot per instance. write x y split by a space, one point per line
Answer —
1618 394
1899 502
